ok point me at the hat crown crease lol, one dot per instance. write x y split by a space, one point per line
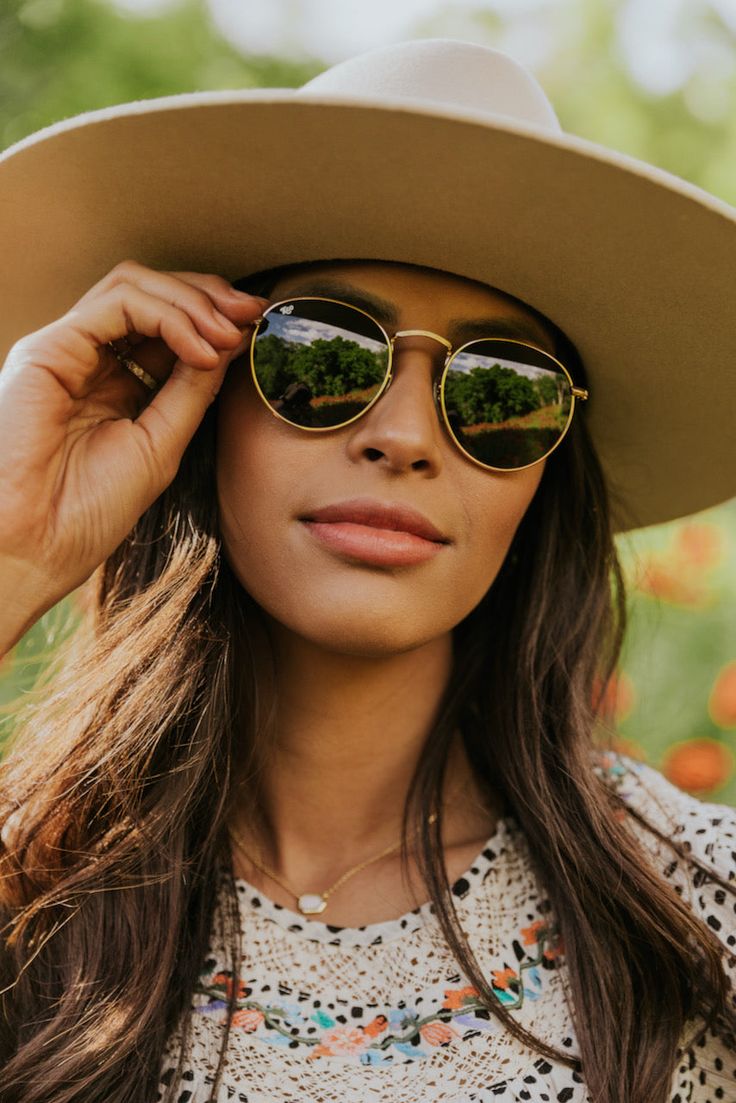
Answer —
458 74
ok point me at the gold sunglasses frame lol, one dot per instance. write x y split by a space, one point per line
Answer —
579 393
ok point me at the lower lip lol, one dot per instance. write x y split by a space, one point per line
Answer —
373 545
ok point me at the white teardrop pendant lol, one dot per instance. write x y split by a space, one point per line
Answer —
311 903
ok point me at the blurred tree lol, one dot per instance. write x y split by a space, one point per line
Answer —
597 60
690 130
62 57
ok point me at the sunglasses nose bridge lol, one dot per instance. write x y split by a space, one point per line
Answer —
421 333
437 385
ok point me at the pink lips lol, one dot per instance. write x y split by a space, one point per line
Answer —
392 534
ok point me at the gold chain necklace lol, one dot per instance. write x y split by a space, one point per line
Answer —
312 903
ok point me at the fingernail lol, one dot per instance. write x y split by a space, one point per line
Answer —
251 298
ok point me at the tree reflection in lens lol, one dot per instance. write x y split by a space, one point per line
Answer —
507 404
319 364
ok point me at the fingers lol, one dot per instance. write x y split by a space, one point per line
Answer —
210 291
226 298
80 462
183 329
177 315
168 422
206 297
153 354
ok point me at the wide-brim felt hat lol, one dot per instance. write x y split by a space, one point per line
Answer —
435 152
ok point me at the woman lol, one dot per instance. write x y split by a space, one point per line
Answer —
313 806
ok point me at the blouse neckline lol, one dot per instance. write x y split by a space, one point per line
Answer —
304 927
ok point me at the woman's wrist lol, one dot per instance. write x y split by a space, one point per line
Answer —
24 597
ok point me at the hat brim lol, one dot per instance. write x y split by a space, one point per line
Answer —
634 264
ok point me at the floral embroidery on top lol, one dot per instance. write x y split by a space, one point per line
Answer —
387 1033
613 768
401 987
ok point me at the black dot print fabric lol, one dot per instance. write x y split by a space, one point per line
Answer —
380 1012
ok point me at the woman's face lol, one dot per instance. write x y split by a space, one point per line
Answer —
270 476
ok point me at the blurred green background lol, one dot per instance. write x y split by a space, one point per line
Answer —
652 78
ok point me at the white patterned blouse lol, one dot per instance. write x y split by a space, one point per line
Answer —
380 1013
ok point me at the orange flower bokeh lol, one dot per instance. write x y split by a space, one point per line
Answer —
698 765
722 700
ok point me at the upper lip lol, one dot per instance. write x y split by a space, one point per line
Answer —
382 515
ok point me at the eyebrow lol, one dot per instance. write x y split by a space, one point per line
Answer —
459 330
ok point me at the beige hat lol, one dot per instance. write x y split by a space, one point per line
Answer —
433 152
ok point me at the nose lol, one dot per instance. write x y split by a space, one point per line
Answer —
403 429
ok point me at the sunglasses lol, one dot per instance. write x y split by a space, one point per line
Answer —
320 364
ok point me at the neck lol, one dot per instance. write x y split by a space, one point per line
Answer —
349 732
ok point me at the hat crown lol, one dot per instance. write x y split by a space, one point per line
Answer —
441 70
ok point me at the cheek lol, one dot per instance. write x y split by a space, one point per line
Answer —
263 470
254 471
494 505
499 505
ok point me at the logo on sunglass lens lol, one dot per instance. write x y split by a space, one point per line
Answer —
286 309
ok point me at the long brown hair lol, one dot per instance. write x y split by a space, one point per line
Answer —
116 787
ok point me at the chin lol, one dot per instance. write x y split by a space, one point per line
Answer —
359 632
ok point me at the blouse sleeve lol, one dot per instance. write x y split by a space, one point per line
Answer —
706 831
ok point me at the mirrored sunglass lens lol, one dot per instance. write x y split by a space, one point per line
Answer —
507 404
319 364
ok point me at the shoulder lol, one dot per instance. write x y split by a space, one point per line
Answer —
704 829
702 834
